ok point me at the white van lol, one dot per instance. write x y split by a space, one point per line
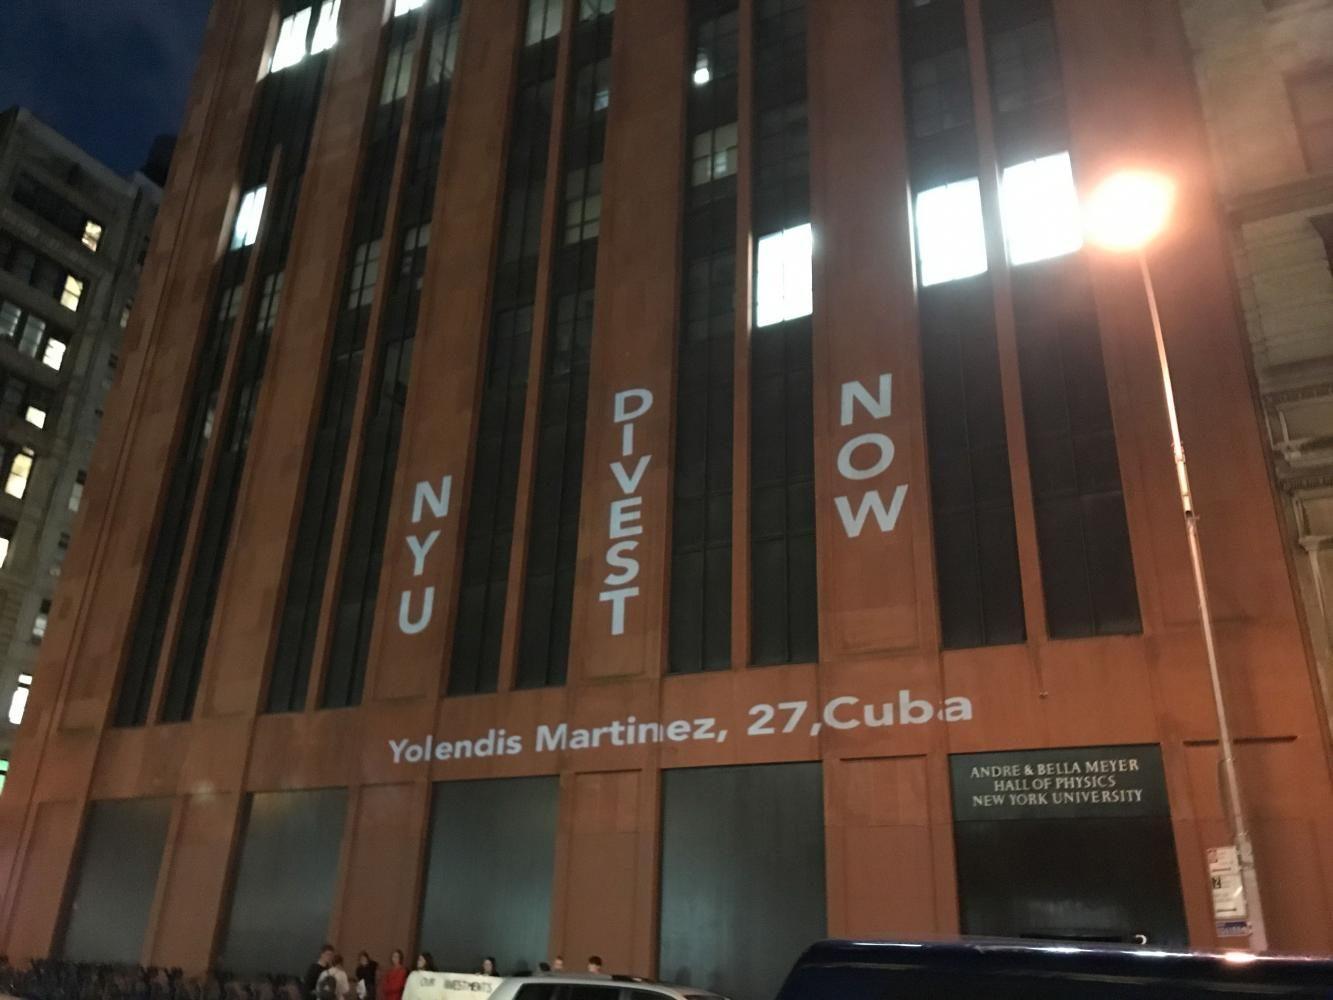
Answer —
544 986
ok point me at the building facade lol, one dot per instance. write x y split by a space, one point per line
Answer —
666 480
73 236
1266 80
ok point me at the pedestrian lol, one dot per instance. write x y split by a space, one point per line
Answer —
367 969
488 966
559 964
426 962
595 964
395 977
316 970
333 983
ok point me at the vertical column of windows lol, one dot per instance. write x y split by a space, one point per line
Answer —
976 547
358 585
308 571
1082 533
783 597
283 117
700 621
548 593
475 665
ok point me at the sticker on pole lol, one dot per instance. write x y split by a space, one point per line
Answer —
1228 890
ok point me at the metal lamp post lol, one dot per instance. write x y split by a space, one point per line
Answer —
1124 214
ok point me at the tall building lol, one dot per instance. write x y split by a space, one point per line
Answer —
1266 81
73 236
667 480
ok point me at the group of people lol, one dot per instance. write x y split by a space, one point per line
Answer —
327 978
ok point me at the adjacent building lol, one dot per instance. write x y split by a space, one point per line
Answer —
1266 80
73 235
667 480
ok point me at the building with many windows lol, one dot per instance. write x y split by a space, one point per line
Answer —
1266 79
72 240
667 480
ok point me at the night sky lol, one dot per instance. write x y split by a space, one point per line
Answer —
108 74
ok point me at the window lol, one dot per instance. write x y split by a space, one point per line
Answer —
40 622
590 9
7 529
1025 67
397 72
715 154
20 469
583 204
941 93
950 233
76 491
54 354
248 216
784 276
34 332
1039 209
703 70
125 315
365 272
291 47
11 316
4 773
35 415
92 235
73 292
326 27
18 701
401 7
543 20
269 302
1312 107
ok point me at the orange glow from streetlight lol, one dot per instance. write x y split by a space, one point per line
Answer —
1128 209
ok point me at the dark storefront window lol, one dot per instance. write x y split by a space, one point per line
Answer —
783 599
489 534
700 622
548 591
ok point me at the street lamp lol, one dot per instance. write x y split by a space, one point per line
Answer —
1125 213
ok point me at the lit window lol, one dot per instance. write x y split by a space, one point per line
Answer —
950 235
54 355
247 218
35 415
401 7
290 48
784 276
1039 207
10 317
703 70
76 491
20 468
18 703
39 627
73 291
715 154
326 28
7 529
92 235
4 773
125 315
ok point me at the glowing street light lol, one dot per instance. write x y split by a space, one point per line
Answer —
1124 214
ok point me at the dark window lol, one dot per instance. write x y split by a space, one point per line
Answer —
475 664
282 118
1312 107
39 271
1323 225
548 591
700 622
1027 91
1087 567
972 508
359 583
783 599
54 208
